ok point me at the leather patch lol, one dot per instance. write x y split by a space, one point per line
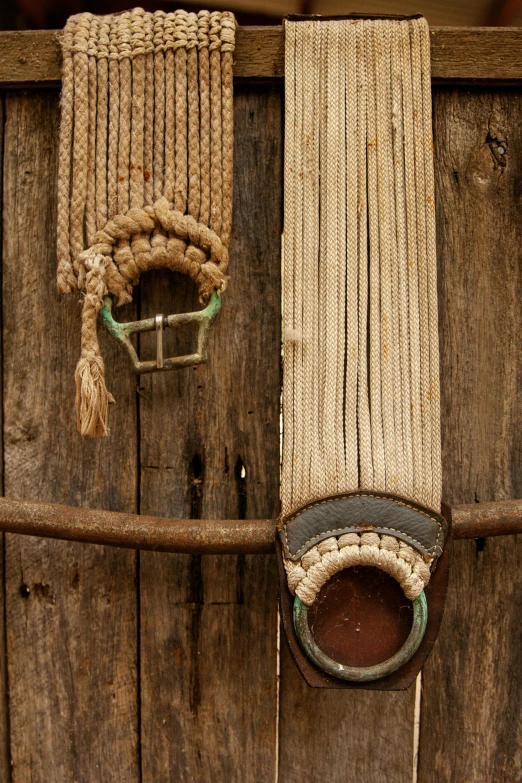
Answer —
358 512
435 595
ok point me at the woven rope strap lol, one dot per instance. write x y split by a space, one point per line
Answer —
361 361
145 165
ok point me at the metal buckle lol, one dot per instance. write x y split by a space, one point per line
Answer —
122 332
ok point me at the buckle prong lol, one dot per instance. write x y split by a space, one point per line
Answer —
159 342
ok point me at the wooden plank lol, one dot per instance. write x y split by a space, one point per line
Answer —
343 736
260 53
5 764
210 448
5 752
472 695
458 54
29 58
71 609
476 54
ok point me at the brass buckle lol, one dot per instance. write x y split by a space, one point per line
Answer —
123 332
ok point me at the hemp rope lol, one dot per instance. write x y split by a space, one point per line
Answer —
145 165
361 401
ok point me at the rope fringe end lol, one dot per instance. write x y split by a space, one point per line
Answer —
92 397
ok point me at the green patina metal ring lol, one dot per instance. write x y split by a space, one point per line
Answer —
361 673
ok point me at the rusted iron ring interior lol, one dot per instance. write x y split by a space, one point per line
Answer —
361 673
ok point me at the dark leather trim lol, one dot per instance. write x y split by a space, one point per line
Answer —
361 511
353 15
403 678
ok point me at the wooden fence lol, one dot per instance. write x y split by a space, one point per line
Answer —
125 667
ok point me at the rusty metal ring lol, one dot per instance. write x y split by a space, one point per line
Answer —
361 673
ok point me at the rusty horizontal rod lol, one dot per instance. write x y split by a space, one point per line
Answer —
206 536
481 520
112 528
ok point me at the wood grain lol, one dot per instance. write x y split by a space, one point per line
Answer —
343 736
71 609
30 58
472 694
476 54
5 763
5 752
210 448
458 54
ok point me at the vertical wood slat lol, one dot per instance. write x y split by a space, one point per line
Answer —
472 695
71 609
343 736
5 754
210 448
5 763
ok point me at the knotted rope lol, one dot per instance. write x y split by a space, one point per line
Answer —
328 557
145 165
361 363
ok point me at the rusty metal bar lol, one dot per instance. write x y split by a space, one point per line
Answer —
112 528
481 520
206 536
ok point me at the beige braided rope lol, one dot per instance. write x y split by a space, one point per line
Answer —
396 558
114 121
361 366
145 165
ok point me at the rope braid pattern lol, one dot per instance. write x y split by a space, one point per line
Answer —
397 558
145 165
361 405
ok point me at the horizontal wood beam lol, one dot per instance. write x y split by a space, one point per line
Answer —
31 58
207 536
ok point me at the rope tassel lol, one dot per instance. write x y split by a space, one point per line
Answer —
145 165
92 397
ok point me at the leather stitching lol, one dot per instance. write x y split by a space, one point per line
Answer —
432 550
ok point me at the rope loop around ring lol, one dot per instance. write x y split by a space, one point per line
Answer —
154 237
140 240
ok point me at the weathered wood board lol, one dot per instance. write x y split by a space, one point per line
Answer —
210 448
343 735
158 668
5 766
463 54
71 610
472 697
